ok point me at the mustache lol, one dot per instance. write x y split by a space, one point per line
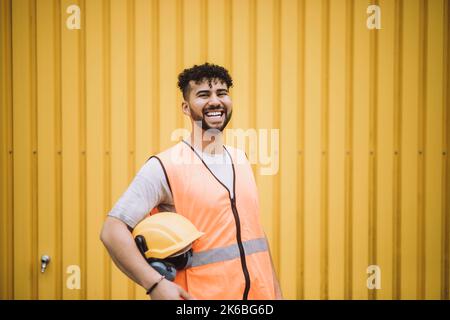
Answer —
214 108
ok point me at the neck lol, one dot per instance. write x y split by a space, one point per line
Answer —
210 141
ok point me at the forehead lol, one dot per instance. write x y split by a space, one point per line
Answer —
207 84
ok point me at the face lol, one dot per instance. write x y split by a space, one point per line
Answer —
208 103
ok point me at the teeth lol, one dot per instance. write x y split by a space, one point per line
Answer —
213 114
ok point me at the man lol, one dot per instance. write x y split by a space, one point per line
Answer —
213 186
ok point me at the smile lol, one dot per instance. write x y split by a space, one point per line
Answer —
214 114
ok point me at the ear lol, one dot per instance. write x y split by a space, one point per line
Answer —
185 108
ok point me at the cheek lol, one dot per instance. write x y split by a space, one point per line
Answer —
198 105
227 103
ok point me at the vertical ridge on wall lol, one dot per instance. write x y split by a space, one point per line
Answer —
71 103
131 105
397 175
300 210
228 42
24 126
215 32
385 148
10 194
239 37
192 43
313 101
143 73
348 264
253 60
288 169
179 57
266 88
107 131
336 148
156 74
119 124
445 261
434 145
360 152
324 194
169 106
6 154
276 65
95 153
46 79
410 143
228 12
34 164
373 150
22 73
58 147
423 152
204 26
83 141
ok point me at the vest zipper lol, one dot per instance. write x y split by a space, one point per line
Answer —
236 218
241 247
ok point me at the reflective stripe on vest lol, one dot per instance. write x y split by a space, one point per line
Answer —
228 253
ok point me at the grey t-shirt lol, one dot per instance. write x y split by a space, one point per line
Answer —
149 188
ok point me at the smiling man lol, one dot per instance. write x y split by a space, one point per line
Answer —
213 186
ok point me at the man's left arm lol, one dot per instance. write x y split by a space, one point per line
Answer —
276 283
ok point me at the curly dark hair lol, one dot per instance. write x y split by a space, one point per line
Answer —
200 72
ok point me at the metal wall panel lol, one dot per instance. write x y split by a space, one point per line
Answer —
363 125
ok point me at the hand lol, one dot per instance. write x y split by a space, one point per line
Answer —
167 290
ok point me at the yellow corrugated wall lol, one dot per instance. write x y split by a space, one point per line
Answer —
364 132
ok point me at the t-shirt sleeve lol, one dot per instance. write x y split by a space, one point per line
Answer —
148 189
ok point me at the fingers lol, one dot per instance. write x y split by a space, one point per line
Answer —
185 295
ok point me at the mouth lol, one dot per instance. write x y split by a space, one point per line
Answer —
215 115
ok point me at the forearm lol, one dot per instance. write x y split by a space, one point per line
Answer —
123 251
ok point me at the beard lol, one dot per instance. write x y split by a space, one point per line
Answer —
205 126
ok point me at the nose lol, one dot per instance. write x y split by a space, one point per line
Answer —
214 100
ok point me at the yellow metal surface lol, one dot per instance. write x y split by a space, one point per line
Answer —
363 125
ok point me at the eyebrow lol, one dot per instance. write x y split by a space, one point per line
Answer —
208 91
202 91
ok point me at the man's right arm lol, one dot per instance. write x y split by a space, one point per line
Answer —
147 190
120 244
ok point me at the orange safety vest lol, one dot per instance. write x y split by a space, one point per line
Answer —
231 260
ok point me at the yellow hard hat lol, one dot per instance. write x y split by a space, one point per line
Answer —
166 233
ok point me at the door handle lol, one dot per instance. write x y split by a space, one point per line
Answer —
45 260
